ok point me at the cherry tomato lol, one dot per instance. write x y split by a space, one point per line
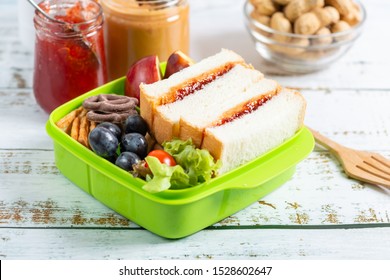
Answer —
163 157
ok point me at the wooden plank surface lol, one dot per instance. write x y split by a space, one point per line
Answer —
357 118
275 244
364 65
318 194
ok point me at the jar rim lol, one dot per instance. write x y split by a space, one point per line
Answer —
69 29
158 3
143 4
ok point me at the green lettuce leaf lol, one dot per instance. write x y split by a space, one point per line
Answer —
197 163
194 166
164 176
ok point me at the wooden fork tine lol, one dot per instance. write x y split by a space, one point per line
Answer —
374 170
375 163
367 173
372 179
381 159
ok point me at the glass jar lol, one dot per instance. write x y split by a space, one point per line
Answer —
69 53
138 28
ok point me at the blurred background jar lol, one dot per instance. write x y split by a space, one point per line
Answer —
25 24
69 53
138 28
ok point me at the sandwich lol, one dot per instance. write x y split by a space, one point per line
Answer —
225 106
190 80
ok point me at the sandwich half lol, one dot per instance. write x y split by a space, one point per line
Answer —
249 134
188 117
186 82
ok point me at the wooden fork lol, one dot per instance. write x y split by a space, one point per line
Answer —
364 166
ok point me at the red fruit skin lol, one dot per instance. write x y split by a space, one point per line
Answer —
176 62
146 70
163 157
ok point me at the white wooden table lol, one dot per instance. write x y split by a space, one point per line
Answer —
318 214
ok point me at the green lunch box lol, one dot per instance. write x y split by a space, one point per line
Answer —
172 213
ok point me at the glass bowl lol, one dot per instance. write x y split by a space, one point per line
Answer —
296 53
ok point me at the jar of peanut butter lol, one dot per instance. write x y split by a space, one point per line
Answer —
138 28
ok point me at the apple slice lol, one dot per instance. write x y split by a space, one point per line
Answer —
146 70
176 62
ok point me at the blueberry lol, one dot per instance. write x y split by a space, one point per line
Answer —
103 142
115 129
136 143
135 123
126 160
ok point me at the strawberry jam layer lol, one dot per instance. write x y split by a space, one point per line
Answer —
246 109
195 84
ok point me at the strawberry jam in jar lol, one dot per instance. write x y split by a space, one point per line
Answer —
69 51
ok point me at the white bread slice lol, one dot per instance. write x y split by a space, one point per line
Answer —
193 124
153 95
243 139
206 105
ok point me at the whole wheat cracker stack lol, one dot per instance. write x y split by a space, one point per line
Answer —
77 125
66 122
